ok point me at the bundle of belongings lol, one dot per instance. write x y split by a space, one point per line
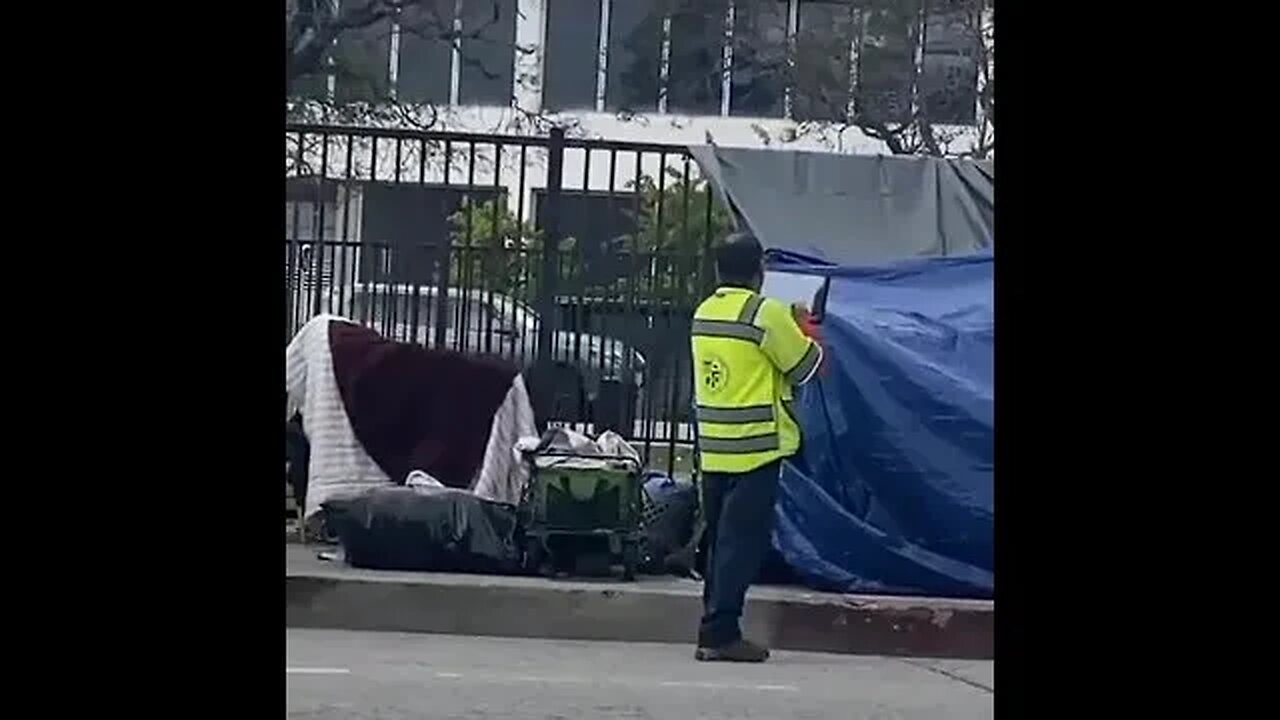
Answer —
390 428
415 459
374 411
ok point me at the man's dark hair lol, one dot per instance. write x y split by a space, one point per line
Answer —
738 259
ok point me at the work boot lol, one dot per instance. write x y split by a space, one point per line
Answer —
737 651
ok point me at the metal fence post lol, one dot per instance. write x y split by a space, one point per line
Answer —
550 242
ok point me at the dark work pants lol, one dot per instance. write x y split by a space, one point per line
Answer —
738 508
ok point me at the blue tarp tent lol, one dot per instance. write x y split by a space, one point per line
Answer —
892 490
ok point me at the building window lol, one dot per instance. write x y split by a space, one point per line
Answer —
313 86
886 64
363 63
635 56
602 226
320 216
670 56
425 53
824 38
949 76
411 222
572 54
759 58
695 66
487 52
308 200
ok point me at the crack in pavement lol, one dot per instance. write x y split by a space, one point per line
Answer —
948 674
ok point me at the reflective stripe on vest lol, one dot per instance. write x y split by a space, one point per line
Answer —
806 365
728 329
749 309
739 446
749 414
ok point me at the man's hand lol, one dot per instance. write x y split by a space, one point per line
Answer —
804 320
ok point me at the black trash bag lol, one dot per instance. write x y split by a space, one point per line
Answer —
400 528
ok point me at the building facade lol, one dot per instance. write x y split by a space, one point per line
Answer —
361 205
744 72
756 73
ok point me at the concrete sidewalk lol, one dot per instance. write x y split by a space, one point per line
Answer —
320 594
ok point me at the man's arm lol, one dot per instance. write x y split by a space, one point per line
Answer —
795 355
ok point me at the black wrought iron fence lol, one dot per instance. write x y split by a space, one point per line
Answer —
581 260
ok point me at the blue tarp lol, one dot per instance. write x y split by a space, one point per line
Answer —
892 490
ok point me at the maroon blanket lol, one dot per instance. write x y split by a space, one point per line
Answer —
417 409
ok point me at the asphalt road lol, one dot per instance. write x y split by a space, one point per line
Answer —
340 674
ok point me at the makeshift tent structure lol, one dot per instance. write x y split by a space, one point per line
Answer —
892 491
855 209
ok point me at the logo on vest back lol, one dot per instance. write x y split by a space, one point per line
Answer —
715 374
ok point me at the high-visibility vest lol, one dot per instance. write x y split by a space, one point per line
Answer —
748 352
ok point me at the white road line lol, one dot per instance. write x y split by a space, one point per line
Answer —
727 686
485 677
316 671
782 688
551 680
492 678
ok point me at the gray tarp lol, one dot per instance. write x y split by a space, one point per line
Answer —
856 209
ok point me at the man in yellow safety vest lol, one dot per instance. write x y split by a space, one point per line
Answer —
748 353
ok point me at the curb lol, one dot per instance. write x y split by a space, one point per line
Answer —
338 597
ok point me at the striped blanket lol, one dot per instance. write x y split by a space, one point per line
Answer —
375 411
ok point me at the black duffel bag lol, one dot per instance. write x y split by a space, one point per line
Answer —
402 528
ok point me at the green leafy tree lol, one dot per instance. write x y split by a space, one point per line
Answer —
494 249
679 220
676 224
682 216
